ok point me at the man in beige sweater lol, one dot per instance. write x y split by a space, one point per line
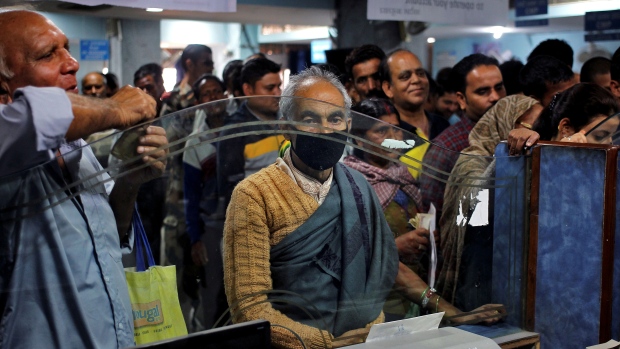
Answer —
306 245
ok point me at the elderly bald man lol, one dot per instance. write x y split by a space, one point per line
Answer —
62 283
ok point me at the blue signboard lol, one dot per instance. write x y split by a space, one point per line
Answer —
525 8
603 37
94 50
602 20
532 23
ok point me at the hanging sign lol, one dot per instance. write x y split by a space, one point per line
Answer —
525 8
602 26
94 50
179 5
474 12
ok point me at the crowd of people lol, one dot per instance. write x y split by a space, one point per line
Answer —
256 193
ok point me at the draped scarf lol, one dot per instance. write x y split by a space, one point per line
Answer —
342 260
386 182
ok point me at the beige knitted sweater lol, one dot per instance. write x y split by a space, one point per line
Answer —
264 209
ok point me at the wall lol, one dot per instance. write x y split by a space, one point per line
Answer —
447 52
140 45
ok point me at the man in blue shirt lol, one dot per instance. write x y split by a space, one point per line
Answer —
62 220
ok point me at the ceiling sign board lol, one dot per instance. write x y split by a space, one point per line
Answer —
473 12
602 26
531 7
179 5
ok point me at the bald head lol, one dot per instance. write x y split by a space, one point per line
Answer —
33 51
404 80
94 85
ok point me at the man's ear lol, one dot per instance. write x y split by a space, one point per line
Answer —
387 89
462 100
615 88
248 90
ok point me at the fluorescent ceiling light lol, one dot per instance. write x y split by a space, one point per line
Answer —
154 9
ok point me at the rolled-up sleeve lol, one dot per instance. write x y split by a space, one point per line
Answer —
31 126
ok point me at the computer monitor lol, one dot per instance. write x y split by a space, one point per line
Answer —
247 335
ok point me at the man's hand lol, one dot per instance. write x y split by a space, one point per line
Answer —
132 106
199 254
519 138
412 244
351 337
150 146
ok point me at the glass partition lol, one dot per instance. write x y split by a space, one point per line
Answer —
303 217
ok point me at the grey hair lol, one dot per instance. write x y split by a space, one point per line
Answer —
5 72
295 84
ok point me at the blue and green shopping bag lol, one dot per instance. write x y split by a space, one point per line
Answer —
153 294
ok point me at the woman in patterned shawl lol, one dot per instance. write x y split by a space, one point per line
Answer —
400 198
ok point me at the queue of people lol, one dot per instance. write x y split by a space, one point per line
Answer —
262 202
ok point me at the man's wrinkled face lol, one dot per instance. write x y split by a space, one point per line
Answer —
268 85
93 84
484 86
149 85
447 104
409 86
37 52
211 91
366 77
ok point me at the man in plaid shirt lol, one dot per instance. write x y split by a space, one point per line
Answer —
478 83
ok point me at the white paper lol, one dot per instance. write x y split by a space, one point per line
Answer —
179 5
395 329
474 12
428 221
612 344
480 217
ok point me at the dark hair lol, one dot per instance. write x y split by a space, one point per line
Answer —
432 85
254 70
557 48
375 108
593 67
193 52
579 104
443 81
232 75
204 78
334 70
510 74
362 54
615 66
541 71
111 80
458 75
384 67
153 69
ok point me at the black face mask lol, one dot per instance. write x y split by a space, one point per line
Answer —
319 153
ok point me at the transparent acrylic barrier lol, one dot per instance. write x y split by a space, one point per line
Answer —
606 132
277 253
